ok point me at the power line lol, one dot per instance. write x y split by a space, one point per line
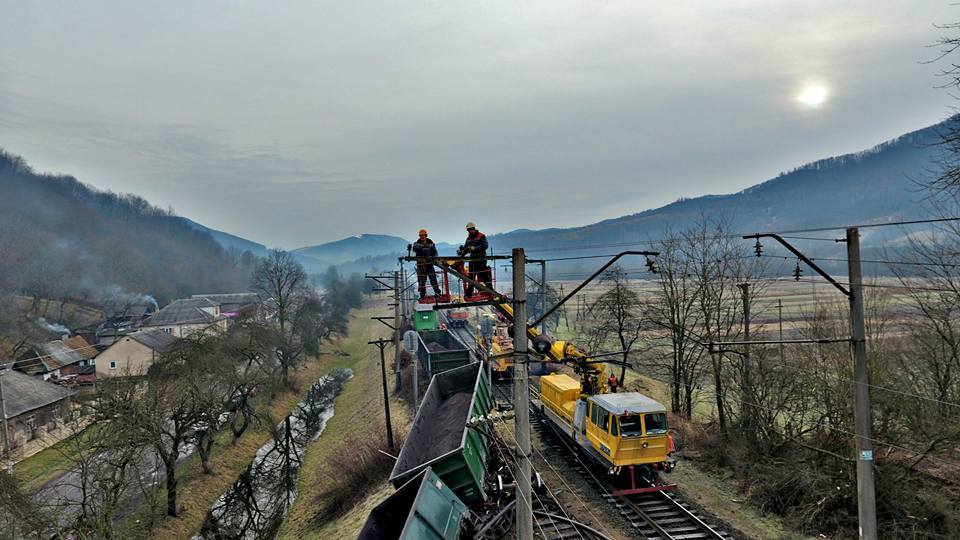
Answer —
822 424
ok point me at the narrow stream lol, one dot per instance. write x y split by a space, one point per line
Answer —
256 504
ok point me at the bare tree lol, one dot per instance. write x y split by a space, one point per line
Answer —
617 314
282 280
673 309
719 265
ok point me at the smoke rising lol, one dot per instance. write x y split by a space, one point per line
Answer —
58 328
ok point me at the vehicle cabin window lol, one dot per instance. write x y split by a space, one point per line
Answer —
614 429
630 425
604 419
593 414
656 423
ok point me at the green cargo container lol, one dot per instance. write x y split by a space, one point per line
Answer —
424 317
440 350
440 438
422 509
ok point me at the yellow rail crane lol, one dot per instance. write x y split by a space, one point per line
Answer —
626 433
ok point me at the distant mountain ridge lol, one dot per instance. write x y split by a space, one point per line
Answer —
875 185
229 241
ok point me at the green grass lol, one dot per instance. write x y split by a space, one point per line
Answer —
37 470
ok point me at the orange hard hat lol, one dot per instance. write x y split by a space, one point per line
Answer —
422 232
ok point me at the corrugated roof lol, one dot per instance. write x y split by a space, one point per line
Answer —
628 402
80 346
23 393
182 311
230 298
55 354
157 340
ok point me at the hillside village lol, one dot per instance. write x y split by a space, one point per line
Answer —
45 390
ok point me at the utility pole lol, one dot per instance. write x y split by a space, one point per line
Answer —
780 317
6 427
866 494
521 399
397 289
543 295
746 387
381 344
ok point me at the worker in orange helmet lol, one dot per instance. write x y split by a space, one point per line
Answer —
475 247
426 252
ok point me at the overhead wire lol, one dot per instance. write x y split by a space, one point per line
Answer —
822 424
569 488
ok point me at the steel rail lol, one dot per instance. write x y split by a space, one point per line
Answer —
632 503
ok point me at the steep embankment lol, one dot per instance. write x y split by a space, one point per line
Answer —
358 422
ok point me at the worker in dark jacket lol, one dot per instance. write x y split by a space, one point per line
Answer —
426 252
475 247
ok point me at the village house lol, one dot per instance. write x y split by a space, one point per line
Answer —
133 354
82 372
123 321
53 360
187 316
236 305
38 413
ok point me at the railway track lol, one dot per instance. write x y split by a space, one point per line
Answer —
550 520
659 515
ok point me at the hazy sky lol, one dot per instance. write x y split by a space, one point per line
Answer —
292 123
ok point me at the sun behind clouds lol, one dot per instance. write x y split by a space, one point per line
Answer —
813 95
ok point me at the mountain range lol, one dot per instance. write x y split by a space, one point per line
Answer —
877 185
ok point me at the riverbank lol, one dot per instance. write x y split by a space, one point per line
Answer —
359 417
197 491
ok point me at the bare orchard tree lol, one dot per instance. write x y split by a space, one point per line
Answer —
246 348
719 266
617 315
673 310
106 469
165 414
281 279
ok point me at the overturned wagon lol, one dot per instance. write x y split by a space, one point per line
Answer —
440 438
440 350
422 509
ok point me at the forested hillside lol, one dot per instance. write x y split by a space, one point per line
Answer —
876 185
64 240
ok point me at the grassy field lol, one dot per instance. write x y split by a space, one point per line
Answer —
35 471
356 410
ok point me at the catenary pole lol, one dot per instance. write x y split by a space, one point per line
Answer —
382 344
746 389
397 291
780 318
543 295
866 494
6 428
521 399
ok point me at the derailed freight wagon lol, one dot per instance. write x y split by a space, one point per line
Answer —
440 437
440 350
422 509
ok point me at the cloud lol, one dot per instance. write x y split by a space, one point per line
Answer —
295 124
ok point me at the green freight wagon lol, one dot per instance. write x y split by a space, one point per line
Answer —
440 438
424 317
422 509
440 350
